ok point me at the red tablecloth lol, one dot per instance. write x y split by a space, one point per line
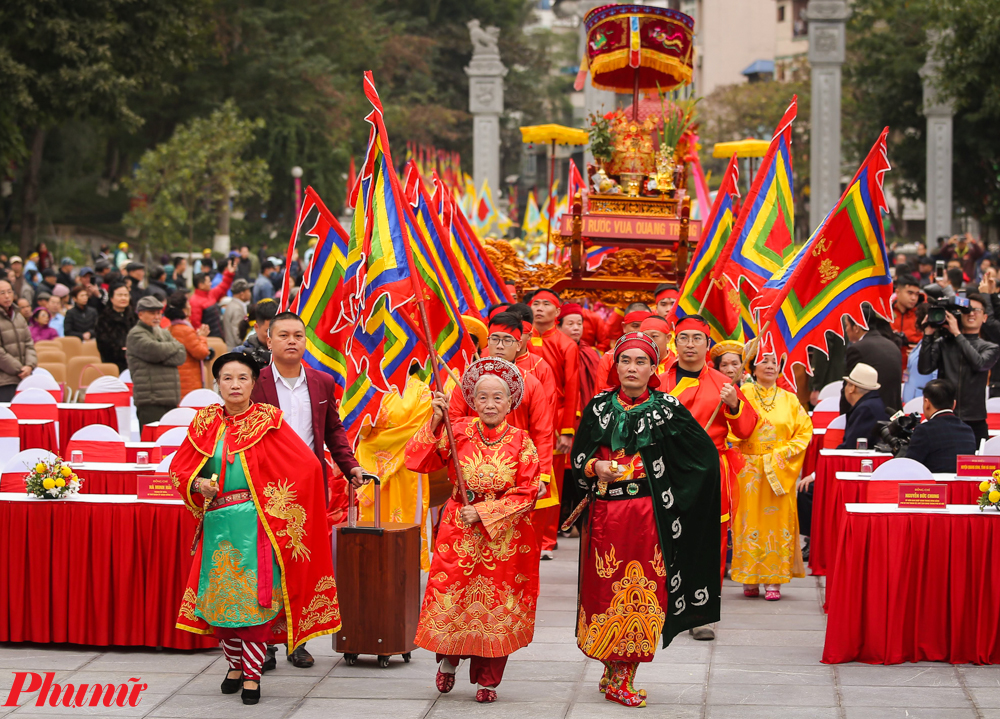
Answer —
38 435
95 573
74 417
915 587
812 454
963 491
110 481
959 491
828 505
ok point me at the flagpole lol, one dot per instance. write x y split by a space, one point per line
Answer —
435 359
548 202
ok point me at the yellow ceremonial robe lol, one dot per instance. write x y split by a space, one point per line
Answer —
766 528
382 452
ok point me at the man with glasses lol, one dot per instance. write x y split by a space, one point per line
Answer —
963 358
719 407
534 413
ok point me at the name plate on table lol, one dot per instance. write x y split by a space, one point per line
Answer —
969 465
154 486
923 496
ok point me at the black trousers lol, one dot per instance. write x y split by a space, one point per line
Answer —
147 413
7 392
981 430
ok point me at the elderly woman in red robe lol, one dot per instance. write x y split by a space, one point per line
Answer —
483 583
263 568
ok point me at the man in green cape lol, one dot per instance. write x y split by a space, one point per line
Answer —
649 557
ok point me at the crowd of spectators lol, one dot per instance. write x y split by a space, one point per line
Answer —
153 318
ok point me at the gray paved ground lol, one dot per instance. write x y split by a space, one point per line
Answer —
763 665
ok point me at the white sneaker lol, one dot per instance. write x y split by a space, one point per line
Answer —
547 554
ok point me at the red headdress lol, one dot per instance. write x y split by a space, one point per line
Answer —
669 291
630 341
637 316
547 295
570 308
516 331
692 322
655 322
498 368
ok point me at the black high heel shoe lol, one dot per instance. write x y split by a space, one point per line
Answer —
231 686
251 696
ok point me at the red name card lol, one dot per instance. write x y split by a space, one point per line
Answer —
155 486
969 465
923 496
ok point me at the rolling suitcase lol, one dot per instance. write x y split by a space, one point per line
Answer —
378 577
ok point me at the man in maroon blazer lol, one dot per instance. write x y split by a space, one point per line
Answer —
306 398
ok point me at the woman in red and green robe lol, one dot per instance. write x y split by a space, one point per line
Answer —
483 583
263 568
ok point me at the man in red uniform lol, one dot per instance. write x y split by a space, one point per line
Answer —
534 413
701 389
563 357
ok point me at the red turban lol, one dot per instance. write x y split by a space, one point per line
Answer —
631 341
570 308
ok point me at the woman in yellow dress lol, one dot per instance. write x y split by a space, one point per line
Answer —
766 531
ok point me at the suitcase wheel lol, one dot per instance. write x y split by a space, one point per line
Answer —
406 657
351 659
383 661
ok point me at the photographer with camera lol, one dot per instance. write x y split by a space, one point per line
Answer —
937 442
952 346
257 344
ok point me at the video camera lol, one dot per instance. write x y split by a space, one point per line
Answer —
937 309
896 433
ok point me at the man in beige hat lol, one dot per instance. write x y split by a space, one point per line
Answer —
867 407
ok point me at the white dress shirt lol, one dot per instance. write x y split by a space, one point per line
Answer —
294 401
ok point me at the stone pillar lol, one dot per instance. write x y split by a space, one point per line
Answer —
486 74
594 100
940 115
827 19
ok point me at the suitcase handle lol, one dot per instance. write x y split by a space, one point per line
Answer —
352 508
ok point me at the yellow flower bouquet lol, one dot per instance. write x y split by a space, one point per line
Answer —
52 480
990 489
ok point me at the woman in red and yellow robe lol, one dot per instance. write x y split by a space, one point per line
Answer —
483 583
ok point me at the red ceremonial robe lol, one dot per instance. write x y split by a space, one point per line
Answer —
483 582
700 397
286 483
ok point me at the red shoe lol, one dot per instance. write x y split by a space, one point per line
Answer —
486 696
445 682
752 592
620 689
772 595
